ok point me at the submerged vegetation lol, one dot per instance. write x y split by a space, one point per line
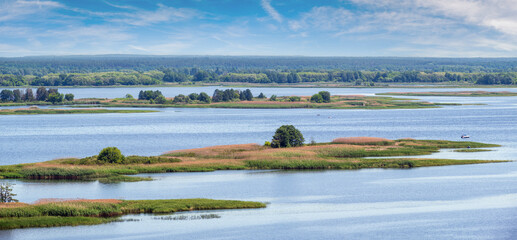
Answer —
88 212
349 153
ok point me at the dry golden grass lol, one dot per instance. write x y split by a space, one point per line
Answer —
12 205
360 140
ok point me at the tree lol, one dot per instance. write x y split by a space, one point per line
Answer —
160 99
248 96
181 99
6 193
69 97
193 96
7 95
129 96
110 155
203 97
287 136
28 96
41 94
272 98
17 95
325 95
261 95
317 98
55 98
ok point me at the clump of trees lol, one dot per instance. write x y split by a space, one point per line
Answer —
287 136
110 155
42 95
6 193
321 97
193 98
152 96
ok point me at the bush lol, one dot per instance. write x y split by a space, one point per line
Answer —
55 98
160 100
317 98
325 96
294 99
69 97
111 155
287 136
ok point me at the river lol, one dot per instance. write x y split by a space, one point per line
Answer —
451 202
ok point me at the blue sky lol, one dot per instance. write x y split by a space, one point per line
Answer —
429 28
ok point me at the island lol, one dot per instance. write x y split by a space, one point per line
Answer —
55 212
342 153
227 98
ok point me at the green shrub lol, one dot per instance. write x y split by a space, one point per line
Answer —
287 136
110 155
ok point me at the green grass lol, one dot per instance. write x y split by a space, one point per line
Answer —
49 221
358 164
87 213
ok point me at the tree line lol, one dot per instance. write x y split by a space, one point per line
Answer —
41 66
194 75
42 95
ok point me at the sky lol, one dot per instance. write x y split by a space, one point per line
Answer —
419 28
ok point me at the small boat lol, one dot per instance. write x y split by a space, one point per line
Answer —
465 136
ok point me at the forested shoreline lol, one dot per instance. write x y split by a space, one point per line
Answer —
149 70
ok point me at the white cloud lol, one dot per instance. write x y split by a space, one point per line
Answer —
266 4
162 14
497 15
162 49
323 18
13 10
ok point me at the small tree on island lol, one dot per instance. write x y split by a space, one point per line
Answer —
6 193
287 136
110 155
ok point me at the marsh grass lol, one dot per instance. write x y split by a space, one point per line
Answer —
86 212
351 153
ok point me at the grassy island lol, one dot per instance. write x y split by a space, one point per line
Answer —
344 153
55 213
228 98
454 94
337 102
36 110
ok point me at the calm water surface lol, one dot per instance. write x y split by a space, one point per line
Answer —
452 202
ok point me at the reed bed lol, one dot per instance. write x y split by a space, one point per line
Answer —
97 211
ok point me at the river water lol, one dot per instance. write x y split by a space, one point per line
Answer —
451 202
